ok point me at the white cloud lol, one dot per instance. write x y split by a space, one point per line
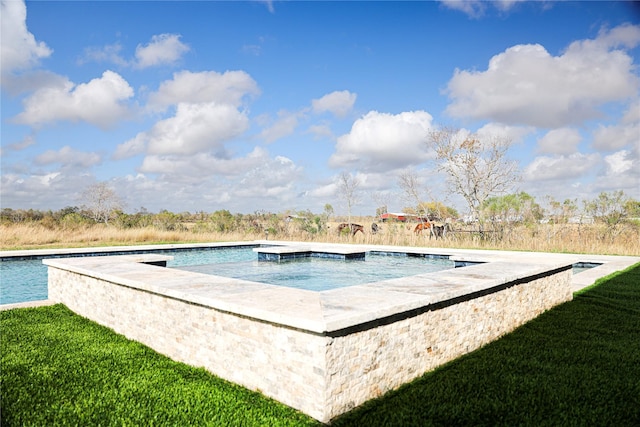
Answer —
99 102
69 157
526 85
619 163
545 168
380 142
19 49
515 134
207 86
632 115
162 49
621 172
109 53
194 128
624 134
44 190
200 166
27 141
321 130
615 137
560 141
338 103
272 178
253 180
132 147
285 125
477 8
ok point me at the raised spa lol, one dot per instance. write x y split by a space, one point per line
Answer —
322 352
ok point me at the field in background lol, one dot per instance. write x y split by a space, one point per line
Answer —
567 238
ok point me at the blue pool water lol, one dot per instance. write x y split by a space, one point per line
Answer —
320 274
26 280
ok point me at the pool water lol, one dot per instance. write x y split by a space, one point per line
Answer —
26 280
320 274
23 280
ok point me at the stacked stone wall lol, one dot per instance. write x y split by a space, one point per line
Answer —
321 375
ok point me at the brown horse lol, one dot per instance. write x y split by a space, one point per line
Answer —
422 226
354 228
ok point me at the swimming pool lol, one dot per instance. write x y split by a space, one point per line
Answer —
25 279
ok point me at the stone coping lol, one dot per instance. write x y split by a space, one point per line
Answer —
329 312
106 250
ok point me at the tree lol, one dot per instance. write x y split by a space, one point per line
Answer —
101 201
476 169
519 207
410 185
610 209
347 190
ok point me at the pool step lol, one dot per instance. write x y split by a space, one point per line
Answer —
285 253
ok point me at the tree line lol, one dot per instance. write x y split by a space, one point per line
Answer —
476 169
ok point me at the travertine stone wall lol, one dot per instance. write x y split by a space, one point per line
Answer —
321 375
366 364
285 364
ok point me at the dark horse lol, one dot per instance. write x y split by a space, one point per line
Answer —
439 231
374 228
354 228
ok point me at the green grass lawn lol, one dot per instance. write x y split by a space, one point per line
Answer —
577 364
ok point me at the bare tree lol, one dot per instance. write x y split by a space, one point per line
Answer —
476 169
348 191
101 201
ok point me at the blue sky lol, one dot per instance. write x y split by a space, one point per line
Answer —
250 106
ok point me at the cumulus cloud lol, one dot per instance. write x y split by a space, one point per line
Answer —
516 134
19 49
206 115
546 168
632 115
621 171
253 175
27 141
99 102
380 142
610 138
198 167
477 8
194 128
560 141
207 86
526 85
109 53
272 178
338 103
68 157
285 125
162 49
626 133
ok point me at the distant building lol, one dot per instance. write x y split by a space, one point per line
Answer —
402 217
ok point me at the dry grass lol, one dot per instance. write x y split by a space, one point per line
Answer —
566 238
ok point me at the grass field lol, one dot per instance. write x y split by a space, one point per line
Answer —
566 238
577 364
